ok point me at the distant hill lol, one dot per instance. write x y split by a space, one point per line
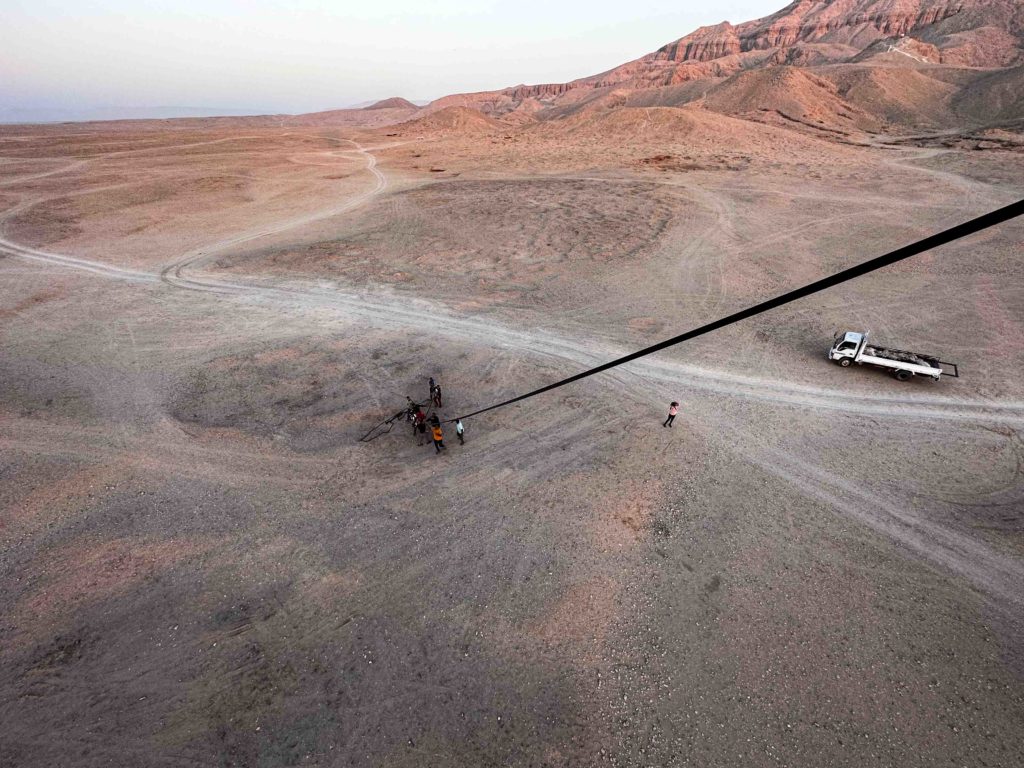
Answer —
461 120
396 102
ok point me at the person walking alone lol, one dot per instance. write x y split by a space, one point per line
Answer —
438 438
673 409
436 396
460 431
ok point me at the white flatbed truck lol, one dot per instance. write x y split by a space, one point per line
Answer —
851 347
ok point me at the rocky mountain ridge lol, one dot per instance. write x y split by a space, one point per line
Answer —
806 21
948 40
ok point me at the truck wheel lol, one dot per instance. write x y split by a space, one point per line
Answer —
902 375
845 362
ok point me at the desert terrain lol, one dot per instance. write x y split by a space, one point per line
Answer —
816 566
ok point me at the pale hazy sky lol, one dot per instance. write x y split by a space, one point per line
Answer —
306 55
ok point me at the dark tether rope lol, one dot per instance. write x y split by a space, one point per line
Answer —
934 241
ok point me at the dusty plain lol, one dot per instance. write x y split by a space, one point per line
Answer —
201 565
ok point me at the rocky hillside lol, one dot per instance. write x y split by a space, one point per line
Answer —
868 65
828 30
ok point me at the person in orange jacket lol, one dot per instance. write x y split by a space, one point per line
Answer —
438 438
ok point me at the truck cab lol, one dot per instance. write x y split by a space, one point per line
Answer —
844 350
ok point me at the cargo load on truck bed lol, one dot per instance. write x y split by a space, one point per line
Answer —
902 356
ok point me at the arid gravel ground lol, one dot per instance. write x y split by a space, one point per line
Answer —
202 566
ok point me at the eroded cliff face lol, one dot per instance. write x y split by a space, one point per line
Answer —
838 21
706 44
546 91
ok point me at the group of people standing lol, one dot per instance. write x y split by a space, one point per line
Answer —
415 415
419 420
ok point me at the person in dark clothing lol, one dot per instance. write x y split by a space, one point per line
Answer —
436 395
673 409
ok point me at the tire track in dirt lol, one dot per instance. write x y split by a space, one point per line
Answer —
426 316
174 274
9 248
429 317
83 162
997 576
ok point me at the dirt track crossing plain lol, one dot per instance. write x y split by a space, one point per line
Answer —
201 565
